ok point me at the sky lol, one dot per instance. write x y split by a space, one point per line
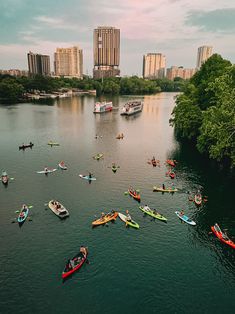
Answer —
175 28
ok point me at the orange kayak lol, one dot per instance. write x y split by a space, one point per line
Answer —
170 162
103 220
134 195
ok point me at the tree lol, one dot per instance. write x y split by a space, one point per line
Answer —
10 90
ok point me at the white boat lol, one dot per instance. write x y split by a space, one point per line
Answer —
101 107
58 209
132 108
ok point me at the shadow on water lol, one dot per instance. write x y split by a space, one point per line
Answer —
194 172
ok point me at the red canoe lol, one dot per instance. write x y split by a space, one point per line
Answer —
75 263
222 236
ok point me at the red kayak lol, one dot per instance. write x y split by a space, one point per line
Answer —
172 175
134 194
198 199
170 162
222 236
75 263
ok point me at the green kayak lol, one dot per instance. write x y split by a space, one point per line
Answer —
151 213
131 223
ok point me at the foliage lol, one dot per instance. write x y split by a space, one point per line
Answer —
205 112
10 90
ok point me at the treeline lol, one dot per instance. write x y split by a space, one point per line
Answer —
13 88
205 113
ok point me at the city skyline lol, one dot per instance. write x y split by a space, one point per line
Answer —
175 28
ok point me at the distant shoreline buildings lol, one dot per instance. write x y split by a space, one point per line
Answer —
68 61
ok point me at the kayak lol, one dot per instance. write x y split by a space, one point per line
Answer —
58 209
48 171
131 223
75 263
185 218
23 214
134 195
170 162
198 199
169 190
115 168
62 166
103 220
172 175
98 156
26 146
151 213
87 177
4 178
222 236
53 144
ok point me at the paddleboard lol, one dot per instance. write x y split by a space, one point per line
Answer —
48 171
87 177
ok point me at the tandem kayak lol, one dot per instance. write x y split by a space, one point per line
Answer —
87 177
23 214
98 156
130 223
152 213
47 171
75 263
159 189
53 143
222 236
4 177
62 165
185 219
134 194
103 220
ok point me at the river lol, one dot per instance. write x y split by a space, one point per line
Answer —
160 268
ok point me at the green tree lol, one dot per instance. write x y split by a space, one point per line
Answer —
11 90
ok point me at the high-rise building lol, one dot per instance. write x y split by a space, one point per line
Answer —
38 64
203 54
69 62
154 65
106 45
175 71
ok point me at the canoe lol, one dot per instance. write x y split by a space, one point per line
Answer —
169 190
87 177
61 212
198 199
74 263
185 218
103 220
48 171
4 178
222 236
26 146
62 166
131 223
151 213
23 214
98 156
53 144
134 195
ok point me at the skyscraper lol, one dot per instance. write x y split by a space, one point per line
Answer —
69 62
175 71
154 65
203 54
38 64
106 45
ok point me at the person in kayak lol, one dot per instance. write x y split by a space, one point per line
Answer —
182 213
163 186
128 216
83 250
46 170
90 175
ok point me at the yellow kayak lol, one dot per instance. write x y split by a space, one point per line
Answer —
169 190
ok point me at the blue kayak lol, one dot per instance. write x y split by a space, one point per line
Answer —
185 218
87 177
23 214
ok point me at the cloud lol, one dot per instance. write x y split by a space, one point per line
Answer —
57 23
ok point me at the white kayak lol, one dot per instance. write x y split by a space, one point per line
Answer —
62 166
185 219
87 177
131 222
47 171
